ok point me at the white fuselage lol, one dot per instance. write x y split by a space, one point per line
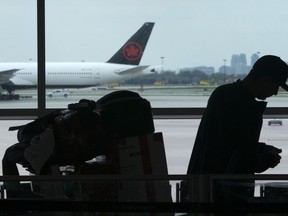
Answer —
67 74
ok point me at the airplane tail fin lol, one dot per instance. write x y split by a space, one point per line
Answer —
131 52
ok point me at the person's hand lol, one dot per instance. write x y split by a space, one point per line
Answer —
274 156
269 157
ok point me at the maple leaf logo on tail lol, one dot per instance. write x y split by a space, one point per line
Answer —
132 51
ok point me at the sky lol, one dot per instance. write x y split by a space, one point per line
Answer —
187 33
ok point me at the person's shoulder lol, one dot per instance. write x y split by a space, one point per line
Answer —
228 88
227 93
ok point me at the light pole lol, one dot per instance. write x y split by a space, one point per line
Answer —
162 65
162 62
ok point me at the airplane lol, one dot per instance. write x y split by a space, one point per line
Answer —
123 65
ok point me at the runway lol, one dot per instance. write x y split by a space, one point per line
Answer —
156 101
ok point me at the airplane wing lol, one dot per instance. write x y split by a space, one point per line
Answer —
6 75
132 70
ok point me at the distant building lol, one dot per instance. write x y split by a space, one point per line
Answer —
254 58
239 64
238 60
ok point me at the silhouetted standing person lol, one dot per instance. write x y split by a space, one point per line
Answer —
227 141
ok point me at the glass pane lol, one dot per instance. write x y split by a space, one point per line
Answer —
18 58
179 135
194 46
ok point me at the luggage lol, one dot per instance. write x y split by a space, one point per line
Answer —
79 137
125 113
81 132
140 156
76 135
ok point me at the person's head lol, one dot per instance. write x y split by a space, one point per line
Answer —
268 74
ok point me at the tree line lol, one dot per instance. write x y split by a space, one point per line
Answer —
185 77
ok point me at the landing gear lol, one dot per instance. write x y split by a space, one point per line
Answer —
9 95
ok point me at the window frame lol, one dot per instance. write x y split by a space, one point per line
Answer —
41 110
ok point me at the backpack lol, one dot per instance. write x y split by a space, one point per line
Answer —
125 113
79 137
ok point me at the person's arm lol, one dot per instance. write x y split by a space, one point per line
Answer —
268 157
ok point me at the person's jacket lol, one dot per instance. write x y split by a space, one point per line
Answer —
227 141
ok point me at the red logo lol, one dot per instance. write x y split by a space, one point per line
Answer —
132 51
